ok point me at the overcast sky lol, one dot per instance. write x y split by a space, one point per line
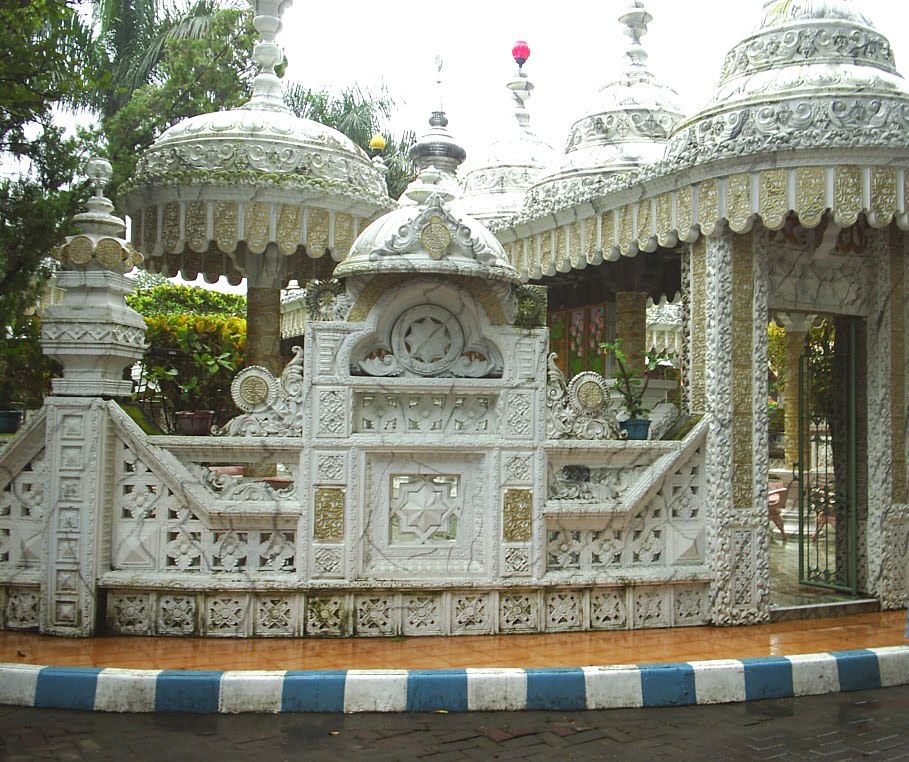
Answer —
576 46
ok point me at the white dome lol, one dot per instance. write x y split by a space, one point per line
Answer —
495 185
427 238
816 74
261 140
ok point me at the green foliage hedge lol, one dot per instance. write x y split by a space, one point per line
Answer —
191 362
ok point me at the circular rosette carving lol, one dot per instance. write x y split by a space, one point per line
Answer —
588 394
254 390
427 340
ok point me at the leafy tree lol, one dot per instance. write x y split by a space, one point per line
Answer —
196 340
190 363
128 41
194 75
42 64
25 372
359 115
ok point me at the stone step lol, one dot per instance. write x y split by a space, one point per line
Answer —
821 610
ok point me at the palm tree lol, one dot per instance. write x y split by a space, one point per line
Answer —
129 40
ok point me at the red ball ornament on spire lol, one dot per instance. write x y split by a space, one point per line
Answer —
521 52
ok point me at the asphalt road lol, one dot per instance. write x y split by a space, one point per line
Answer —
863 725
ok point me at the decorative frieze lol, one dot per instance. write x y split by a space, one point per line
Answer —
689 211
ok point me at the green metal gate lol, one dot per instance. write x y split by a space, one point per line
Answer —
827 459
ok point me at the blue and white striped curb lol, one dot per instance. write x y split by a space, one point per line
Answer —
456 690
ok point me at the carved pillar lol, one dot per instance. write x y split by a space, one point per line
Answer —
736 399
696 368
95 336
79 460
631 326
797 326
888 513
263 309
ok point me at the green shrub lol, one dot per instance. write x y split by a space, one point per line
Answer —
191 362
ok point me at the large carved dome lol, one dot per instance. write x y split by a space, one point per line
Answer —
815 74
217 192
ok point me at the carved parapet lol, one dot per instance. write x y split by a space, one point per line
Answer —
579 410
272 407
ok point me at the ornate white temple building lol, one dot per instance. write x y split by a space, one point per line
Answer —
442 452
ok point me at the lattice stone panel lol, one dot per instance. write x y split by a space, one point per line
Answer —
227 615
375 615
385 614
423 615
131 613
472 613
519 611
23 506
153 531
276 616
564 610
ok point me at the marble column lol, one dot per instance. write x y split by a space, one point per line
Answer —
631 326
797 326
736 402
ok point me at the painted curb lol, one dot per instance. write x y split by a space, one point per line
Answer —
456 690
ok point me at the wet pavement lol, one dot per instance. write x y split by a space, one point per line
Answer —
845 726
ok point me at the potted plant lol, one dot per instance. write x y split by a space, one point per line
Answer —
189 367
631 384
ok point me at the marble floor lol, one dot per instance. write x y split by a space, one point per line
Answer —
551 650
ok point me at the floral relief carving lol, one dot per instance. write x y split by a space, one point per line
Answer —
470 613
129 613
325 615
176 615
225 615
517 561
375 615
275 616
422 615
519 612
607 610
22 608
563 611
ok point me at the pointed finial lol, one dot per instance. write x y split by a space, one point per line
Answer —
636 18
440 64
267 91
521 86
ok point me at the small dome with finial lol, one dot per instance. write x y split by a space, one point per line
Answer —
495 185
426 237
626 127
437 149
